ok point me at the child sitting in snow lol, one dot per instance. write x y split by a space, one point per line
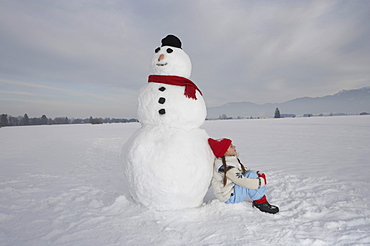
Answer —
232 182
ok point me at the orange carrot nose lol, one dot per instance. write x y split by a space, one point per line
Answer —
161 57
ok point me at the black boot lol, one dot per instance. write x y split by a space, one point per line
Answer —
266 207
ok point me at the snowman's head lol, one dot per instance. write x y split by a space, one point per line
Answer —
170 59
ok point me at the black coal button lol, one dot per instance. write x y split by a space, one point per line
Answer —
161 100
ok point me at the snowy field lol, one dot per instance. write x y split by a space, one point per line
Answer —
63 185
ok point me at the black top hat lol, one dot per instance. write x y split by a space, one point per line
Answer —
171 40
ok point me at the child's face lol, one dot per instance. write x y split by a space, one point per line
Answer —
231 151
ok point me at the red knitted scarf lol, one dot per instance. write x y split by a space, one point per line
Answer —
190 87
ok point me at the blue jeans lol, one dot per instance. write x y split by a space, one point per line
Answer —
240 193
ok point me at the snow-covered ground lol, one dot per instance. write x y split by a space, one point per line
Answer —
63 185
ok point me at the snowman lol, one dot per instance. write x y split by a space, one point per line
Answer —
168 162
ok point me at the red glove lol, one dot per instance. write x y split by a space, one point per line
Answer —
262 175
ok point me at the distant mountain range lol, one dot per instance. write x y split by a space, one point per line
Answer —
343 102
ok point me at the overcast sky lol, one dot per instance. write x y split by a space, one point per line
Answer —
80 58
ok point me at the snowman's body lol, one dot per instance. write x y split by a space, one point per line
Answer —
168 162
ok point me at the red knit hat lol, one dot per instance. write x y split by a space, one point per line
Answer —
219 146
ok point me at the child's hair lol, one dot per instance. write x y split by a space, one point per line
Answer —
225 168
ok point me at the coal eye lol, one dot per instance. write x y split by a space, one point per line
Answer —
157 49
169 50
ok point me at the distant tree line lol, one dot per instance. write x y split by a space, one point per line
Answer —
6 120
225 117
277 114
